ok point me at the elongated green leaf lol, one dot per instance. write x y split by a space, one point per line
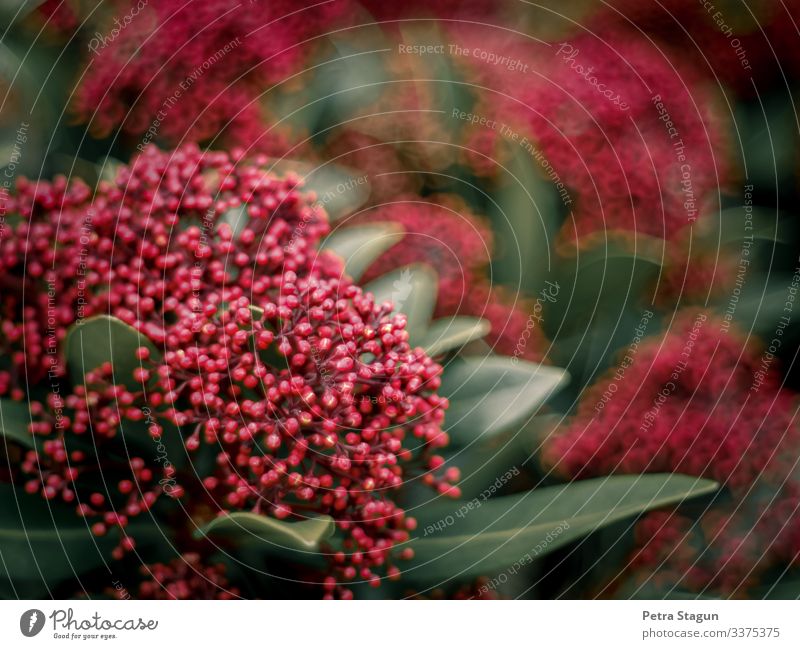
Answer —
769 128
45 540
762 303
526 212
15 417
729 226
455 540
102 339
361 245
602 283
450 333
494 393
482 463
601 290
412 289
301 535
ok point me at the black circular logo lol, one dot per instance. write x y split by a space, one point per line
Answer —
31 622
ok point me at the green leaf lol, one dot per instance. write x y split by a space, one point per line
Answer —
494 393
236 218
40 539
495 533
359 246
603 292
303 535
526 213
18 9
449 333
102 339
769 126
352 79
588 352
412 289
761 305
15 417
339 190
603 281
109 168
482 462
729 226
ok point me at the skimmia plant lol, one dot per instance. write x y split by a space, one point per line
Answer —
357 299
199 399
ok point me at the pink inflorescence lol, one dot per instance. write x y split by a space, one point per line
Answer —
446 235
59 17
637 140
448 9
726 552
671 411
458 245
743 47
189 71
306 389
701 401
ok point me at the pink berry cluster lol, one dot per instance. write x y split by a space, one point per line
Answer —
123 250
668 409
304 388
185 577
697 401
322 431
65 465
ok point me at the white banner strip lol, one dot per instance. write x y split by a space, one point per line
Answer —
137 624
